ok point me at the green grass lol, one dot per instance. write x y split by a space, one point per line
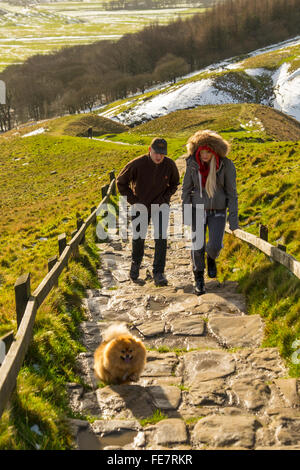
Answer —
193 420
157 416
46 183
183 388
271 291
227 119
274 59
166 349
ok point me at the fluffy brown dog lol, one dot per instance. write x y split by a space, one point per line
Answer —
121 357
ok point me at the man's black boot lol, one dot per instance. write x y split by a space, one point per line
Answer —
199 278
211 267
134 271
160 279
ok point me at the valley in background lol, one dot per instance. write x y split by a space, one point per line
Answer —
28 28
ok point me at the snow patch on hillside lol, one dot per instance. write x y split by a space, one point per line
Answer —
287 91
188 96
255 72
203 92
41 130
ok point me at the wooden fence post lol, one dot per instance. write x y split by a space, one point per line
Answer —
5 343
62 243
263 232
112 177
22 294
79 224
281 247
76 249
92 210
104 190
51 262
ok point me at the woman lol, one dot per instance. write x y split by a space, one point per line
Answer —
210 179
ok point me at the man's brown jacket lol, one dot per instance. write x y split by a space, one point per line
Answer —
146 182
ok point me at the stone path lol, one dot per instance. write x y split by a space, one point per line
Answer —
205 371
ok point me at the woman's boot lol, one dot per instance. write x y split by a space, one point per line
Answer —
199 278
211 267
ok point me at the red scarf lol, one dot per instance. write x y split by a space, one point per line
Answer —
204 167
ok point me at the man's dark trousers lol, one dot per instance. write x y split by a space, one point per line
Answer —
140 222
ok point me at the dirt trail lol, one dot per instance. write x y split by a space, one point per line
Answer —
219 390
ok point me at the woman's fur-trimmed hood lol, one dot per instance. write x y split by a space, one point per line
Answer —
210 138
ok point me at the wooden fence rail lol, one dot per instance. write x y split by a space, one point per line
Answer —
277 253
13 348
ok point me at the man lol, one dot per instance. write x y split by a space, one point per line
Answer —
148 182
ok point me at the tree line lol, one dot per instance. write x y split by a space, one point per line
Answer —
79 77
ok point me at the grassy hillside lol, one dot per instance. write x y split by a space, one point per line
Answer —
239 121
46 182
77 126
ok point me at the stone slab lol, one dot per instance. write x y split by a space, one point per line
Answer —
221 303
170 431
190 326
225 431
165 397
85 365
201 366
154 328
251 394
239 331
211 393
121 275
113 425
159 364
290 389
267 360
124 401
183 303
287 430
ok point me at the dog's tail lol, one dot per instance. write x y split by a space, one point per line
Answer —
115 330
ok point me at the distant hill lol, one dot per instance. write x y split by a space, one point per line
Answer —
78 78
78 125
260 122
75 125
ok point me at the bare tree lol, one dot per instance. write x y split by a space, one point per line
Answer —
170 67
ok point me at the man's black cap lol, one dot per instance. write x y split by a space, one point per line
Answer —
159 145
